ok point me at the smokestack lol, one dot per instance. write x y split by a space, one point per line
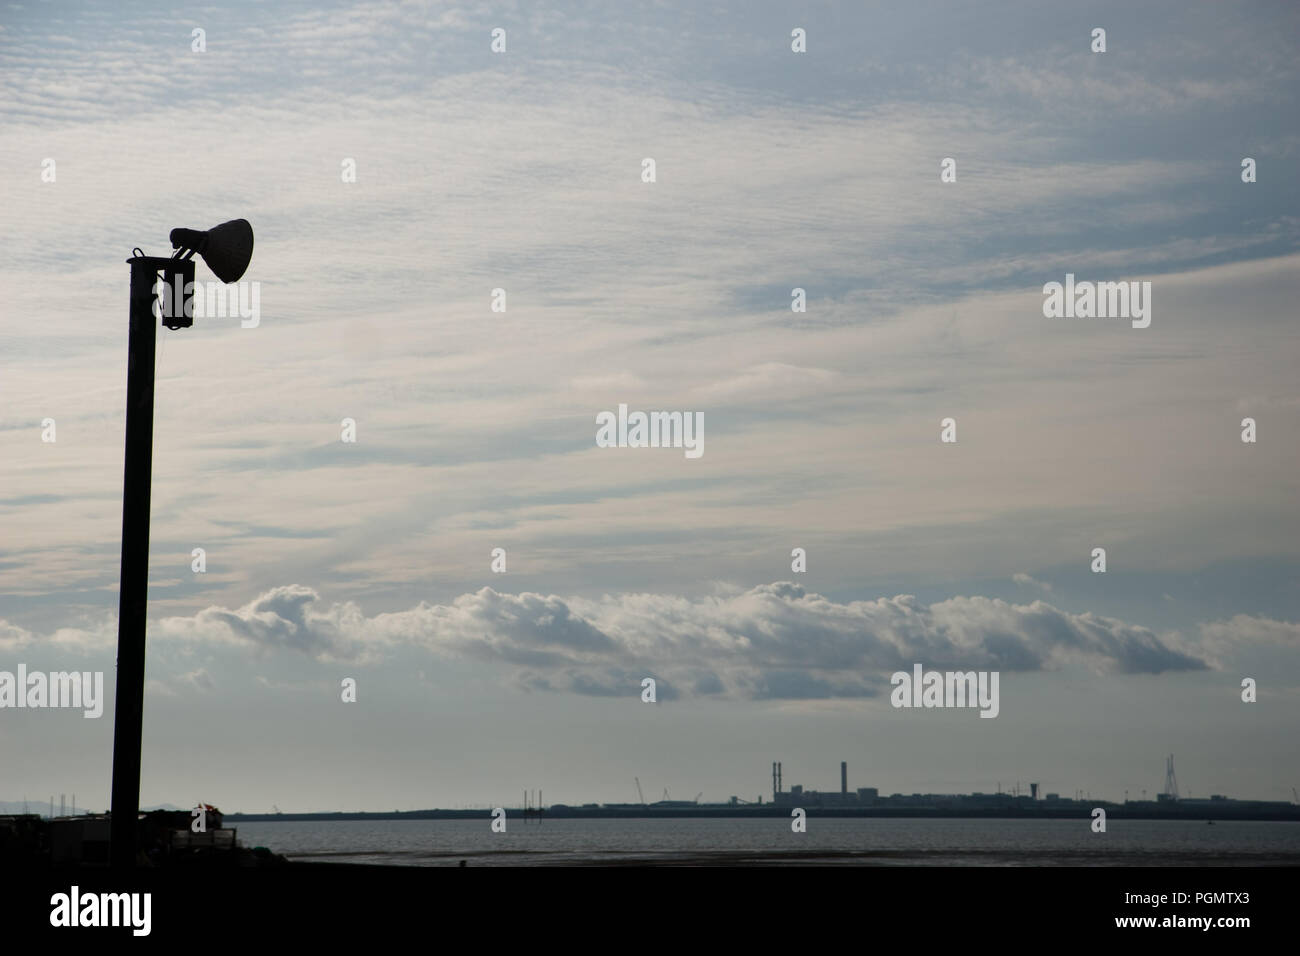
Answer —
844 777
1033 791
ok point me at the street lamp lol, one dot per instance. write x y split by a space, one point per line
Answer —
227 250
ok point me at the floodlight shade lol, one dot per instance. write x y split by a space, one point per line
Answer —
226 248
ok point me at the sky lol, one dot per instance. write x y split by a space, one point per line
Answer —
475 429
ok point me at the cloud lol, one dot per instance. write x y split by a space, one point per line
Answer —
773 641
767 379
1245 629
1221 640
290 617
1021 578
97 637
199 679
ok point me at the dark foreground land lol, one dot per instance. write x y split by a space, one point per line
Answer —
166 840
593 908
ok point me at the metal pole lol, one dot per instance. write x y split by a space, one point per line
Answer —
134 592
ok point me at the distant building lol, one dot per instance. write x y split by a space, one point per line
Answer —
798 796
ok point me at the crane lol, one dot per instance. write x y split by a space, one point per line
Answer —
698 795
638 790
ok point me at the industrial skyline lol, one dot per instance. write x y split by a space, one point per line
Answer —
1015 795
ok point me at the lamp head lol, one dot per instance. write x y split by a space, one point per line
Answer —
226 248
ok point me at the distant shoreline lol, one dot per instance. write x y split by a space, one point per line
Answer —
1113 812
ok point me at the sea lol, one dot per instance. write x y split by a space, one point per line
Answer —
770 842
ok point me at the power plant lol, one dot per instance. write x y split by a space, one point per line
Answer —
798 796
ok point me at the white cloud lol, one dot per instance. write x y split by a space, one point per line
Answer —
1024 579
1222 640
776 640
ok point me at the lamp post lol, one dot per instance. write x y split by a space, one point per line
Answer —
227 250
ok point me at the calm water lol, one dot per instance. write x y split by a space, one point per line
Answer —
870 842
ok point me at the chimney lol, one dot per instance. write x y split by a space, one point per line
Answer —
844 777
